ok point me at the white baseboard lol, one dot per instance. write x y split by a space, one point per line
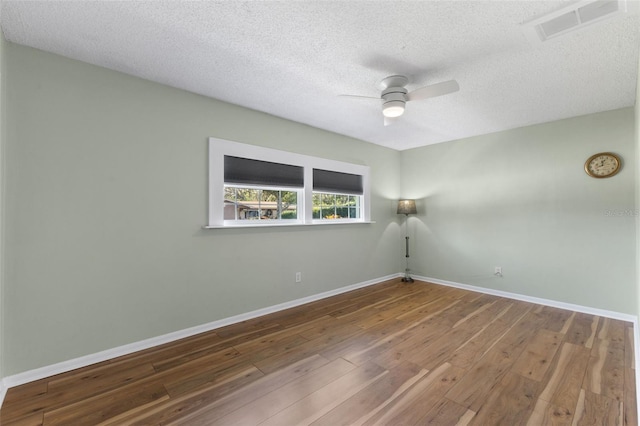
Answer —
3 391
536 300
83 361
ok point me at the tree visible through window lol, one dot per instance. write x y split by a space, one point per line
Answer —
259 204
335 206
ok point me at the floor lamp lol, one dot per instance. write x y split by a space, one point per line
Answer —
407 207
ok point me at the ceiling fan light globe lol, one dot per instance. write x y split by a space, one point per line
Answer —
393 109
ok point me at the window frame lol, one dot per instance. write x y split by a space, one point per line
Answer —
218 148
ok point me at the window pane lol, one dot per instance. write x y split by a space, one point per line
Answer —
336 206
268 204
328 200
288 205
230 208
259 204
316 202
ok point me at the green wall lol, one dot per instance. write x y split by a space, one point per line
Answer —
520 199
2 193
105 193
106 197
637 179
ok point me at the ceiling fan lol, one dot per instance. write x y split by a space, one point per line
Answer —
394 95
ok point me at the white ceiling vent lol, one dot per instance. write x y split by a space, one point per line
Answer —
576 16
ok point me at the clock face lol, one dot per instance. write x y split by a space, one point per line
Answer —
602 165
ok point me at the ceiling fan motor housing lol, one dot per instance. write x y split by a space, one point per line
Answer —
393 101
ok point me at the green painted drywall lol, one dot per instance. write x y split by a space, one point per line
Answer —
106 196
637 180
520 199
2 192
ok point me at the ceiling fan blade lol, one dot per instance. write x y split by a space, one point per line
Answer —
359 97
434 90
390 120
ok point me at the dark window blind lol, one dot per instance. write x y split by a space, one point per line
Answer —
256 172
343 183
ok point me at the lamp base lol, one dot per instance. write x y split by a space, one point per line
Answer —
407 278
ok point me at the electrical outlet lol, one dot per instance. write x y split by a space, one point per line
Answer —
298 277
498 271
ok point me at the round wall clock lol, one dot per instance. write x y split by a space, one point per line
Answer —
602 165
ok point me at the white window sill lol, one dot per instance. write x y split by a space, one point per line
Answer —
275 225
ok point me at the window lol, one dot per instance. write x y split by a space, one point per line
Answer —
256 186
336 195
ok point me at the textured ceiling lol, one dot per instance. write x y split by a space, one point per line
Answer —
293 58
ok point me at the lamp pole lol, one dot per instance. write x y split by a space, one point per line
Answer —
407 278
407 207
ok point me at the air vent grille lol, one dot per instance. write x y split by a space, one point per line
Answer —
560 24
576 17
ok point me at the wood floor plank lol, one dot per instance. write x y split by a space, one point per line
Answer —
411 406
564 381
481 342
328 328
271 404
391 353
545 413
205 394
605 371
213 402
629 358
169 350
557 320
35 419
96 409
378 394
597 409
520 333
448 413
536 359
472 389
613 331
185 385
215 353
470 304
629 401
441 349
583 330
27 391
320 402
398 350
433 308
392 409
25 401
364 340
309 348
510 403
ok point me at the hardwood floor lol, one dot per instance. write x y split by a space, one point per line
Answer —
393 353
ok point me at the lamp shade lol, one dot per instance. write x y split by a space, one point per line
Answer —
407 207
